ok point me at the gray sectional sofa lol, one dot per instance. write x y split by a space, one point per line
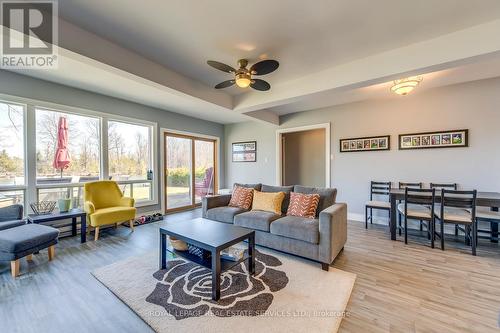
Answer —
320 239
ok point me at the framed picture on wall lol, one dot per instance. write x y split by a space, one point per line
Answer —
244 151
440 139
369 143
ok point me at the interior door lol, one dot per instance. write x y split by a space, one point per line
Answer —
190 170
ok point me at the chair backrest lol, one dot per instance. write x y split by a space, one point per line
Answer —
449 186
459 199
403 185
380 188
420 196
102 194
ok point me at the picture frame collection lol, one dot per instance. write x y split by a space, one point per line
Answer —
440 139
424 140
365 144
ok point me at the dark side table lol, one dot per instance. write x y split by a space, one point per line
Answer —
72 214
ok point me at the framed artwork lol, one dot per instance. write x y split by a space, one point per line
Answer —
440 139
369 143
244 151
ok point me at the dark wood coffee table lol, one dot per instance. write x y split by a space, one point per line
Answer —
211 236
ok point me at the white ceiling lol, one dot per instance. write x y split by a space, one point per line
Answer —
330 51
304 36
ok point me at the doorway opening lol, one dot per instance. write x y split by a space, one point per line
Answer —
304 156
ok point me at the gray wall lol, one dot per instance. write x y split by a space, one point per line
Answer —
24 86
474 105
304 158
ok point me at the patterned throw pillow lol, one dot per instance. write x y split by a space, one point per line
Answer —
303 205
241 197
268 201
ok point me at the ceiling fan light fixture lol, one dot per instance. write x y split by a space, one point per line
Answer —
243 80
405 86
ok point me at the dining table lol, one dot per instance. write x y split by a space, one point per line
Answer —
483 199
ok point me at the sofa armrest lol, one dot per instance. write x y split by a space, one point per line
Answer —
89 207
4 225
332 231
11 213
212 201
127 202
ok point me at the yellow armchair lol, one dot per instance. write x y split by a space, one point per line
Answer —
105 204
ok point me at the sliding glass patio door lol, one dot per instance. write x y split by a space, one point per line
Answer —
190 170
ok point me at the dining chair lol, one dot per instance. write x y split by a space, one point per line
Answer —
402 186
457 207
419 205
377 189
446 186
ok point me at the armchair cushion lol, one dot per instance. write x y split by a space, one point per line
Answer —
111 215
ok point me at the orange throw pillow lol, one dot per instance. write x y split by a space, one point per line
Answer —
303 205
241 197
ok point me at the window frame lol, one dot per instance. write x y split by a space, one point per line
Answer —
24 187
31 188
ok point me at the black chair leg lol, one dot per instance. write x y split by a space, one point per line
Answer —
467 235
421 226
474 237
432 226
366 217
371 215
442 235
456 229
399 224
406 230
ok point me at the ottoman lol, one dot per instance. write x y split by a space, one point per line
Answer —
23 241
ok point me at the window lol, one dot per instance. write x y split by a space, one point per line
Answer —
129 151
129 158
11 144
83 145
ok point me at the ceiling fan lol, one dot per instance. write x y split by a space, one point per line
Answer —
243 75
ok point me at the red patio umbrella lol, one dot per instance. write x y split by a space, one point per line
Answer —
61 157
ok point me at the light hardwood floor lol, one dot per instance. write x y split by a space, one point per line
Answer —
399 288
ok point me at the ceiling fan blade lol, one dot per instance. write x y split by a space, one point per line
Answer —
224 84
220 66
264 67
261 85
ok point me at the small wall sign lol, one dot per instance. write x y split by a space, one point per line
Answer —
244 151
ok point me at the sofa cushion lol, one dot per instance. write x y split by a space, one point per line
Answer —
327 196
285 189
11 224
268 201
257 220
241 197
224 214
295 227
254 186
303 205
25 237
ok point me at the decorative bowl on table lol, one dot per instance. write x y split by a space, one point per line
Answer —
43 207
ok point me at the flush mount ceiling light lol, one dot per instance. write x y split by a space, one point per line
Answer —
405 86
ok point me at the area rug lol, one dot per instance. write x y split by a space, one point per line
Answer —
287 294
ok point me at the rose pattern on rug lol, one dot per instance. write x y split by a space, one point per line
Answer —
184 289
